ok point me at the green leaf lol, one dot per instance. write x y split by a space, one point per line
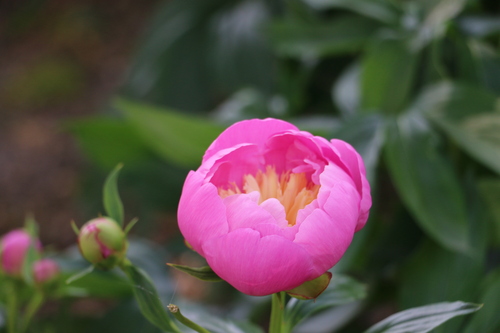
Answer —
489 189
32 254
342 290
423 319
176 137
96 284
434 274
111 198
308 40
108 141
204 273
377 9
80 274
311 289
487 320
346 90
469 115
147 297
387 75
426 182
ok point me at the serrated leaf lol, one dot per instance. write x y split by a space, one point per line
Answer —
111 198
175 137
342 290
423 319
204 273
147 297
426 182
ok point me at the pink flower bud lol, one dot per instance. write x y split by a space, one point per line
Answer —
102 242
45 270
14 246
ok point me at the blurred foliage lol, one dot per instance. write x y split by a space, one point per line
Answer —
413 85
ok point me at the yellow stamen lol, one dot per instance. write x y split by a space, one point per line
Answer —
292 190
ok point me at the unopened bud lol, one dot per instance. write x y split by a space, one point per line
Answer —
45 271
14 246
102 242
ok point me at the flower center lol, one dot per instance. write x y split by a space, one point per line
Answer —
292 190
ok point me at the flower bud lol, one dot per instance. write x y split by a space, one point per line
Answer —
45 270
102 242
14 246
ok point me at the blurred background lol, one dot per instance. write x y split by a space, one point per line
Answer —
413 85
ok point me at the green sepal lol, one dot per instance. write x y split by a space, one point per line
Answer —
311 289
204 273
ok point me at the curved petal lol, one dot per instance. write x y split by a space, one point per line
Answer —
255 131
201 213
258 266
243 211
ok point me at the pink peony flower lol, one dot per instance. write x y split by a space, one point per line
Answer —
14 246
272 207
45 270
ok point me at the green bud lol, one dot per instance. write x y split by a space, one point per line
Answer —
102 242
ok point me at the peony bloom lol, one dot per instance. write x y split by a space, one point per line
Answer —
102 242
14 246
45 270
272 207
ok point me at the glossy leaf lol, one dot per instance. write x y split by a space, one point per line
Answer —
308 40
147 297
204 273
111 198
487 320
387 75
176 137
423 319
467 114
426 182
377 9
342 290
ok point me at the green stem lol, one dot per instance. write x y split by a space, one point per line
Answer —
277 323
34 304
12 307
174 309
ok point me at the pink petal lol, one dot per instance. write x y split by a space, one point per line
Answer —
258 266
276 209
255 131
243 211
201 213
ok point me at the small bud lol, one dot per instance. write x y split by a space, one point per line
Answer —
14 246
45 271
102 242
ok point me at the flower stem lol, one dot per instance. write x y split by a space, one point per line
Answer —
277 323
34 304
12 307
174 309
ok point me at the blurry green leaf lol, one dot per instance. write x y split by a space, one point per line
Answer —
174 136
489 189
487 320
244 104
388 69
377 9
308 40
109 141
342 290
346 90
76 276
423 319
480 26
469 115
488 63
204 273
111 198
436 17
426 182
32 254
434 274
197 51
97 284
147 297
366 135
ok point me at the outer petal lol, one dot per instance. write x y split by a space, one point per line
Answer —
255 131
201 213
258 266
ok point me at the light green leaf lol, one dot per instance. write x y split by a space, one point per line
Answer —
176 137
147 297
423 319
95 284
387 75
467 114
308 40
111 198
426 182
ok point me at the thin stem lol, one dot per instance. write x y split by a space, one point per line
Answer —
277 323
174 309
12 307
34 304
